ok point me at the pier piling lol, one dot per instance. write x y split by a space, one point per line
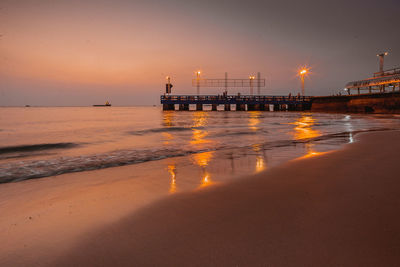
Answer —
241 102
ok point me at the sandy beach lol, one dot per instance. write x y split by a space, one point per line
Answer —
334 209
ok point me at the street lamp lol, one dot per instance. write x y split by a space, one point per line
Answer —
381 60
303 72
198 81
251 84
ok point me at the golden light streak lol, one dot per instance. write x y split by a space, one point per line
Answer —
206 181
311 152
254 120
303 129
260 164
172 172
168 118
202 159
168 121
199 135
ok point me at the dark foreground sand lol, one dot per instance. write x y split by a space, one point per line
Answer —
337 209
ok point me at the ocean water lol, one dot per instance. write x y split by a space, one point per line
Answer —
39 142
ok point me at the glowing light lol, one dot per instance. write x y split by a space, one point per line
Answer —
167 138
303 129
199 120
172 172
206 181
311 152
254 120
303 71
168 118
260 164
202 159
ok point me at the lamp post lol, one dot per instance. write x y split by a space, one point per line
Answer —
198 82
302 73
381 61
251 84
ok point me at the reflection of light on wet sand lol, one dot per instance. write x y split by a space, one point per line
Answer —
172 172
311 152
199 120
254 120
351 140
206 181
202 160
260 164
349 127
303 129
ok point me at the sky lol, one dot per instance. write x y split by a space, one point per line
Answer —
78 53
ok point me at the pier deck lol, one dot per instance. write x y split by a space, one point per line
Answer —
242 102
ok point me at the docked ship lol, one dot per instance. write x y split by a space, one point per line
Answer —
377 94
107 104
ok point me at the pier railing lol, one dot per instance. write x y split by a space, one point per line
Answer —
233 99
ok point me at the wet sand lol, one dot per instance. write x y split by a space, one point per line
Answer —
338 208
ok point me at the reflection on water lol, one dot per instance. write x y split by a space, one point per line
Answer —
199 135
349 127
172 172
200 119
256 147
167 138
254 120
168 121
207 166
303 129
168 118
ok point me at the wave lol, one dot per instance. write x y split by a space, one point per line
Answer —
164 129
18 171
35 147
22 170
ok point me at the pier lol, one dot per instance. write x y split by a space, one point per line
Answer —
239 102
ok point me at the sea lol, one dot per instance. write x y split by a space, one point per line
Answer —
40 142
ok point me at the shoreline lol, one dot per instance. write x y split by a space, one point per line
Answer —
334 209
106 205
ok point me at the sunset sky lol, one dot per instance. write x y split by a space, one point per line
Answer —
72 53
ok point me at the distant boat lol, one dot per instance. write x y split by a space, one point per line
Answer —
27 106
107 104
